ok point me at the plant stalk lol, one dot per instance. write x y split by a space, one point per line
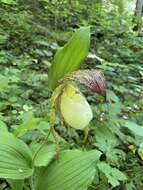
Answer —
32 183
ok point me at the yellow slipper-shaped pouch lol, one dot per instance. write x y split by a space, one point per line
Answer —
74 108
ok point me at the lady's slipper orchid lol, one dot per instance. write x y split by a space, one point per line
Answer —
74 108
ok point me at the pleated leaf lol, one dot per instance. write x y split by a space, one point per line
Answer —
3 126
75 170
15 157
44 155
70 57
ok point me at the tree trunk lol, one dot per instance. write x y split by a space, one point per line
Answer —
139 7
138 14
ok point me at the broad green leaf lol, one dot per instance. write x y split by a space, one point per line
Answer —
43 154
15 157
113 175
16 184
3 126
75 170
70 57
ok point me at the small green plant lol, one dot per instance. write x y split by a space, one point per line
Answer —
47 145
36 165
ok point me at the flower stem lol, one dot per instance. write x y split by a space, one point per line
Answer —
52 121
43 143
31 183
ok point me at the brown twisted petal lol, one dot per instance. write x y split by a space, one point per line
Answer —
93 79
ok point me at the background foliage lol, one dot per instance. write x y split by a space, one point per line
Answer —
30 34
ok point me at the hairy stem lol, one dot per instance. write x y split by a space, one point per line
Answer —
31 183
43 143
52 122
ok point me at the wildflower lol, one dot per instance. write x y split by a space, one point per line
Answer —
74 108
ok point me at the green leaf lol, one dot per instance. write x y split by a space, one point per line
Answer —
107 142
113 175
32 123
3 126
9 2
15 159
70 57
133 127
140 151
75 170
112 96
3 38
3 83
105 139
114 182
44 155
118 174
